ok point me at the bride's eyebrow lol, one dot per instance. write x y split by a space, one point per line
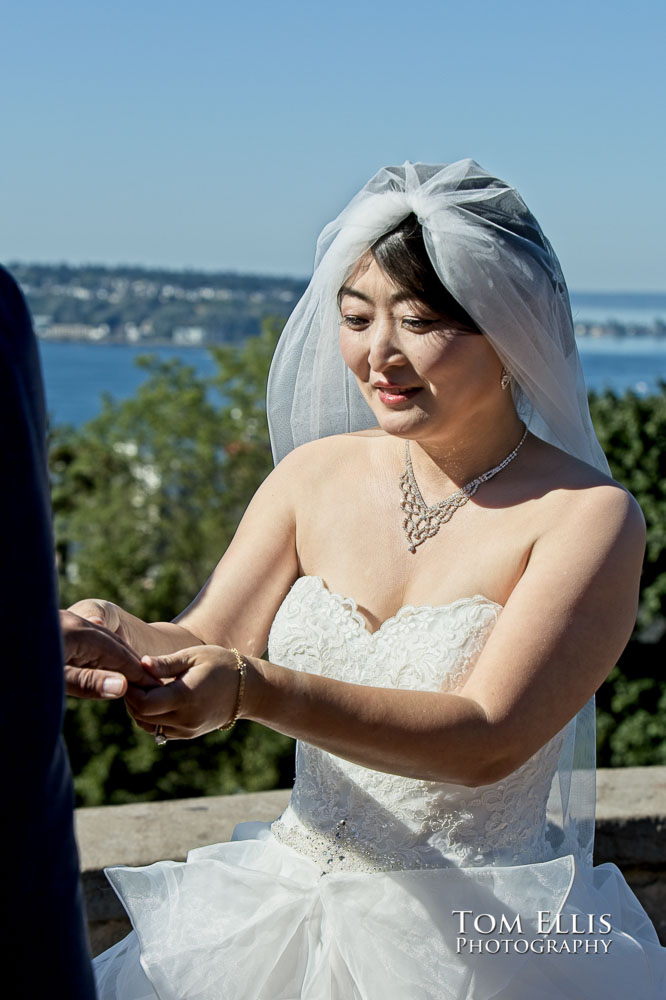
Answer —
398 296
348 290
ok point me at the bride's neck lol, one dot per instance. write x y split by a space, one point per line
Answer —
447 462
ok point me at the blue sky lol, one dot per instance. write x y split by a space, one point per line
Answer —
225 135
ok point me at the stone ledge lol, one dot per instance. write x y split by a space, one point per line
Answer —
142 833
631 817
630 827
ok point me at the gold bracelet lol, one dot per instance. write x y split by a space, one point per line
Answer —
242 670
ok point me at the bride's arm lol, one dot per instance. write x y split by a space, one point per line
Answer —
556 640
237 604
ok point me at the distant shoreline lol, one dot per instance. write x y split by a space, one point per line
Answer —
156 307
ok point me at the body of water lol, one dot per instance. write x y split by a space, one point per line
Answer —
626 308
76 374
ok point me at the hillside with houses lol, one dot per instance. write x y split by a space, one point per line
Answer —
142 306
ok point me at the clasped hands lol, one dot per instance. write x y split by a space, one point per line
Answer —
196 692
187 693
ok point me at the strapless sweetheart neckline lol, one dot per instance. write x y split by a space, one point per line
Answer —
350 605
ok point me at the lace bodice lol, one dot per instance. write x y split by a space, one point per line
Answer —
352 818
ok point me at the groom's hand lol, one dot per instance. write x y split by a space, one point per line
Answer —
98 664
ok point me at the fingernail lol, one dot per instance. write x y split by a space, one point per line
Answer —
112 686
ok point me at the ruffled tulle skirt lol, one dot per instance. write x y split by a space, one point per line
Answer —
254 920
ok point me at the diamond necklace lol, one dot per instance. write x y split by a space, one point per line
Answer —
422 522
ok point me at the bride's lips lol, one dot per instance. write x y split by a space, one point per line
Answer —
392 395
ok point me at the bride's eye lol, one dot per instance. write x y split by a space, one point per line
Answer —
354 322
418 324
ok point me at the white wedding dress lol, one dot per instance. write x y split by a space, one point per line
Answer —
354 892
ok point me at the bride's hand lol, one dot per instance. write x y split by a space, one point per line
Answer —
99 613
199 692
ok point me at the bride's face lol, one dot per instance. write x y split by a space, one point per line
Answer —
420 374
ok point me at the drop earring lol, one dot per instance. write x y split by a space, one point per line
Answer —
505 380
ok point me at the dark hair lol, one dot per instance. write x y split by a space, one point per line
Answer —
402 256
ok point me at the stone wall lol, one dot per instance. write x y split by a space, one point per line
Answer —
630 831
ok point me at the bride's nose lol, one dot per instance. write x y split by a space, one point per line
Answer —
384 349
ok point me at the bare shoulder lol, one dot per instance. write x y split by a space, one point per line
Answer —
583 502
333 454
614 506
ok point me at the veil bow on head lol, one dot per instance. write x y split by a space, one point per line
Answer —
491 255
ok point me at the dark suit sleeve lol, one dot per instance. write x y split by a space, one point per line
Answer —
44 944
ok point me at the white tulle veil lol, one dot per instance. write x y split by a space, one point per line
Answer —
491 255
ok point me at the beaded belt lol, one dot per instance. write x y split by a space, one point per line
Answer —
340 851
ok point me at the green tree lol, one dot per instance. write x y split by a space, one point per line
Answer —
631 719
146 498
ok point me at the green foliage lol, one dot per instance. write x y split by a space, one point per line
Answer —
631 722
146 497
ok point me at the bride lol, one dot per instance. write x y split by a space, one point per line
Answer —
443 573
